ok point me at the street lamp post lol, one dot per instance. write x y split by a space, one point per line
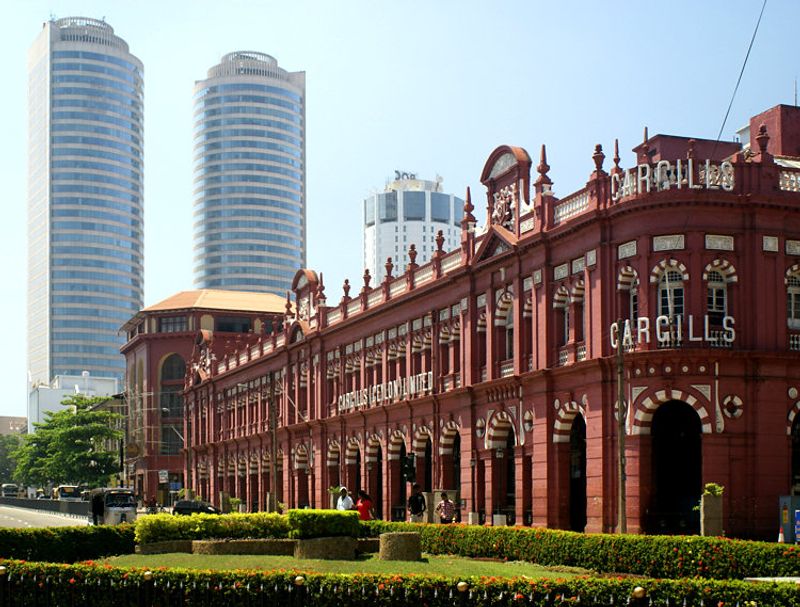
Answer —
622 522
273 456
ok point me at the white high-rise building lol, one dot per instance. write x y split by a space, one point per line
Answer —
409 211
85 242
250 175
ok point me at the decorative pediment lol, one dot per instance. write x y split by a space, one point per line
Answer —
497 241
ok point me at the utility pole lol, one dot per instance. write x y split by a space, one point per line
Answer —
273 447
622 522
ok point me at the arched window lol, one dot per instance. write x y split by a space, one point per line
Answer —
633 302
793 301
173 370
670 294
509 329
561 307
717 299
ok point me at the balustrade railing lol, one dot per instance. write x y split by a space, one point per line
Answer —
789 180
794 342
507 368
580 351
563 357
572 205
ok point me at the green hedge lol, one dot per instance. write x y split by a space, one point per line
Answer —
322 523
655 556
105 586
66 544
163 527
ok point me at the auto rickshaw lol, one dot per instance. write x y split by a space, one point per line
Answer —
112 506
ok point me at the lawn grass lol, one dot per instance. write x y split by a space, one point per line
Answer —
450 566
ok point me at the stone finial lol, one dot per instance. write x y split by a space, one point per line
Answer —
690 151
646 135
616 156
389 267
346 288
288 304
367 278
598 158
321 291
762 138
412 256
468 219
543 168
440 242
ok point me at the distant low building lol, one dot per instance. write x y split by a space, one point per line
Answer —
12 425
43 398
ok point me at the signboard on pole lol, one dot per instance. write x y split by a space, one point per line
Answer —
163 476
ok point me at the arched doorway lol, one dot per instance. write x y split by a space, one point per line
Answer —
457 462
510 497
795 481
428 478
577 474
375 473
676 469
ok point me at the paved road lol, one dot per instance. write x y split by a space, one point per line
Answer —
25 518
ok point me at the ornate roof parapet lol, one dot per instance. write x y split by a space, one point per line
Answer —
599 181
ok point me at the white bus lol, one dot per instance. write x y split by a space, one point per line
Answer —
9 490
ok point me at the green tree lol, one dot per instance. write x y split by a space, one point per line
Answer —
74 445
8 444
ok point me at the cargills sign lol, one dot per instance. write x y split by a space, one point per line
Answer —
387 392
683 174
665 331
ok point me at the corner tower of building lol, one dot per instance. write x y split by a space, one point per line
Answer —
249 180
85 243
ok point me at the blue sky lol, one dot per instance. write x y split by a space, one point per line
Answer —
425 86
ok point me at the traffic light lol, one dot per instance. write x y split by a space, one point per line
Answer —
409 468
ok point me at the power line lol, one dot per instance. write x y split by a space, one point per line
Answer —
741 72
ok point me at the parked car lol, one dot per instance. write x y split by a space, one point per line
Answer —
191 507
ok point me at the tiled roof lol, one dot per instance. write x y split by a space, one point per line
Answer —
211 299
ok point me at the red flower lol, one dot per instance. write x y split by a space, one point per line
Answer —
519 596
72 580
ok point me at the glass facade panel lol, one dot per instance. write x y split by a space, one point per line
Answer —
414 206
440 207
387 207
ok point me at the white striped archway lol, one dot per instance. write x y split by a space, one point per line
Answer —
481 324
792 271
421 436
565 415
396 442
724 267
334 453
627 278
502 308
371 451
449 432
527 310
646 407
665 265
561 298
301 457
351 451
499 429
792 415
578 290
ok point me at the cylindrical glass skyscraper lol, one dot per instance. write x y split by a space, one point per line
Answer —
85 241
249 158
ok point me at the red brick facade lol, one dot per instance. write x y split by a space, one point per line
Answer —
494 363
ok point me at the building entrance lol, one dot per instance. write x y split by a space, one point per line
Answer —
677 470
577 475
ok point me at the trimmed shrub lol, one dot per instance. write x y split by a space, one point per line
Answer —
663 556
304 524
163 527
66 544
105 586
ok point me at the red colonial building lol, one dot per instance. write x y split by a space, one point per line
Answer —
495 363
161 339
